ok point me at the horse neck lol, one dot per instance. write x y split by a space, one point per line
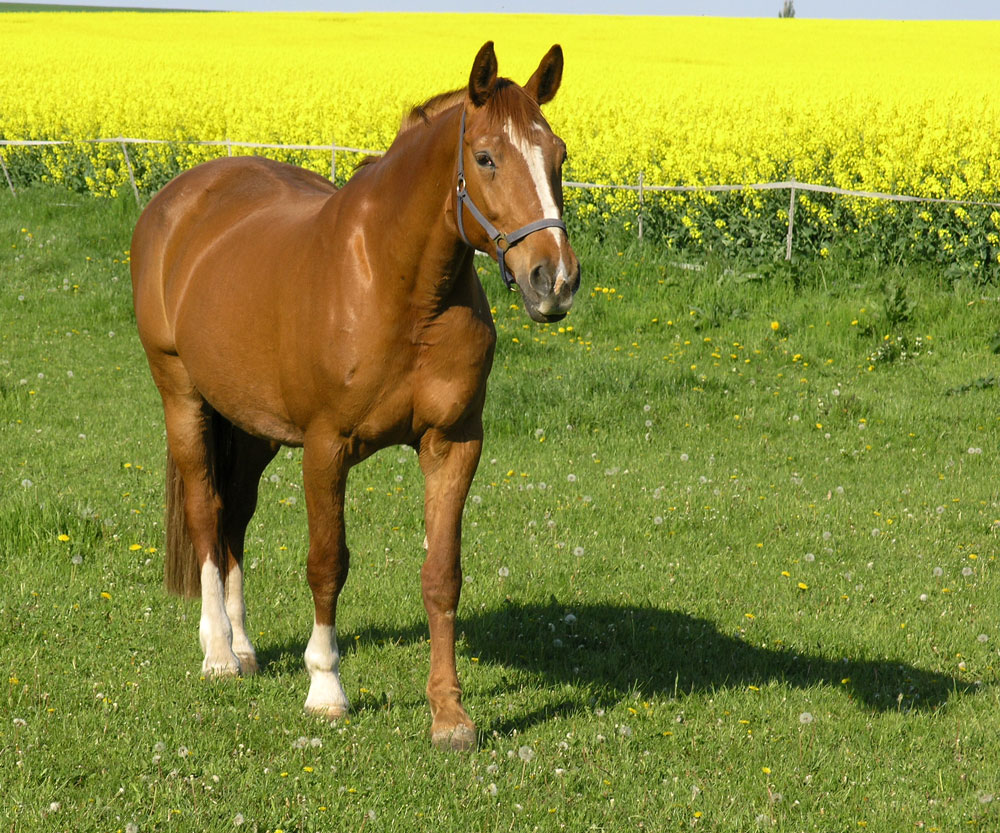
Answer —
413 188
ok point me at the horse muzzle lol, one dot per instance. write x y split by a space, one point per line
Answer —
549 288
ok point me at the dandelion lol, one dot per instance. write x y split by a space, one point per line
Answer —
26 484
967 571
571 478
63 537
491 790
503 572
684 458
809 557
570 619
76 560
182 752
20 723
238 819
938 572
577 551
805 718
982 638
775 326
658 520
526 754
131 827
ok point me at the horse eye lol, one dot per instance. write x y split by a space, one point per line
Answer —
484 160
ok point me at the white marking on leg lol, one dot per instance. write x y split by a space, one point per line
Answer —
236 610
215 630
326 694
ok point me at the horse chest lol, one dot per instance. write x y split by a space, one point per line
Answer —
449 378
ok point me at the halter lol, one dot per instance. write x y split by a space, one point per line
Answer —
502 241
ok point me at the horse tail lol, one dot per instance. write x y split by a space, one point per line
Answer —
181 575
181 570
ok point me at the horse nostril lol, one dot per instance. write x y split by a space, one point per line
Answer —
540 280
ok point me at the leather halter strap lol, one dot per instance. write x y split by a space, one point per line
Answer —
502 241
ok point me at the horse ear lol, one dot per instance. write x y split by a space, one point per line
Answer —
483 78
543 85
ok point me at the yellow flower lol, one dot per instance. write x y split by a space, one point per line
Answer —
775 326
63 537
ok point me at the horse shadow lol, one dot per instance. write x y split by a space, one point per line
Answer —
620 651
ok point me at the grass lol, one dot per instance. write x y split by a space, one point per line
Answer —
730 564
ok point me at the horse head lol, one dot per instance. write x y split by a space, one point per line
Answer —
510 199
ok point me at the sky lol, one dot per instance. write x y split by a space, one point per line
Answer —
831 9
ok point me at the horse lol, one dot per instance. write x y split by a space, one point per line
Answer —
278 310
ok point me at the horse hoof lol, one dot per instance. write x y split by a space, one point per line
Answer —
461 738
220 672
330 713
248 664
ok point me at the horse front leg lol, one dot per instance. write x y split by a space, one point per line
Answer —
325 469
448 464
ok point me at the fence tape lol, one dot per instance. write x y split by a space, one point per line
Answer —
641 188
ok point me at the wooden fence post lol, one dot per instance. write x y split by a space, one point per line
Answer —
7 176
640 205
131 173
791 221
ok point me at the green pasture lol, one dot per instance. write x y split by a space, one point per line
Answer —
730 559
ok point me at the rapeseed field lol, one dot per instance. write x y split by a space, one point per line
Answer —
905 108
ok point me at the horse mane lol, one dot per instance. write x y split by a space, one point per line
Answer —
506 105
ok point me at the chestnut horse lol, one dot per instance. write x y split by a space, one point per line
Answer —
277 310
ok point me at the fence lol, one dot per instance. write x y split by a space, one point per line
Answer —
641 189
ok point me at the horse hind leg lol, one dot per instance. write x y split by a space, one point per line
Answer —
245 459
192 446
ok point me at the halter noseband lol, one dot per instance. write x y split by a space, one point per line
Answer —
502 241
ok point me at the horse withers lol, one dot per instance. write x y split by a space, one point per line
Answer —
277 310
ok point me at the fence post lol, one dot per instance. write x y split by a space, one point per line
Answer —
131 173
7 176
791 220
640 205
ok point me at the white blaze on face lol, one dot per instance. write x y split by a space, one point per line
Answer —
535 160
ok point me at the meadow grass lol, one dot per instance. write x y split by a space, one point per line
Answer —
730 564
